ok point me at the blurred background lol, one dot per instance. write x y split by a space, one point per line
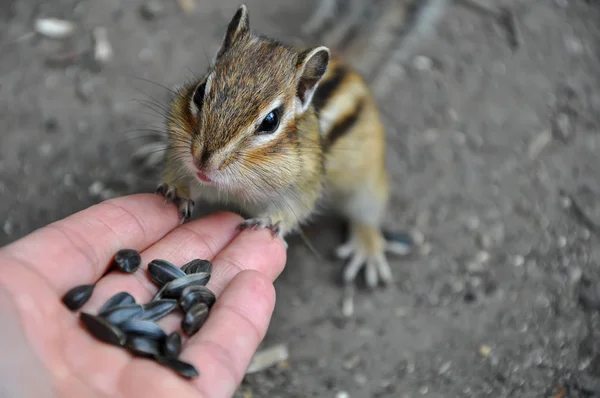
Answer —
493 122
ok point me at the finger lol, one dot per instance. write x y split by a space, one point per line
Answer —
201 238
222 349
78 249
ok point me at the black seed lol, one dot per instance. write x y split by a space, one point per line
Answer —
162 271
182 368
128 260
174 288
172 345
78 296
102 329
196 266
117 315
158 309
143 346
140 327
194 318
119 299
196 294
159 294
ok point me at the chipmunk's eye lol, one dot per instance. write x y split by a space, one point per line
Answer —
270 122
198 97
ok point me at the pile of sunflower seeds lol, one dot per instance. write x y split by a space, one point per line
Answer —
124 323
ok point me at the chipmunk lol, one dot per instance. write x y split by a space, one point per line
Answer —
283 132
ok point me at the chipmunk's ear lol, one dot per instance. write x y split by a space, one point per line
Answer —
237 28
311 67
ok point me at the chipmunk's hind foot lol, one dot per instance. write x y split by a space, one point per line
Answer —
172 194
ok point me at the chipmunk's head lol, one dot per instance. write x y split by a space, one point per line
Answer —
238 126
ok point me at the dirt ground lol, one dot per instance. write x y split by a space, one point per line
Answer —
494 155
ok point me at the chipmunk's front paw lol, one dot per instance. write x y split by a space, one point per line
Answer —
171 193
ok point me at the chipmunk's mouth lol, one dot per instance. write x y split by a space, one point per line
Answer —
203 177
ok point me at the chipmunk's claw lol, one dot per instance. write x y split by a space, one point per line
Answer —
185 205
262 222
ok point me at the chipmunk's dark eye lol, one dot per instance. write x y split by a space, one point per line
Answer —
270 122
198 97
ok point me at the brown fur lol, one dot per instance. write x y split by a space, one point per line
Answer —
334 149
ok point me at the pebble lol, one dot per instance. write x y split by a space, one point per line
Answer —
188 6
484 241
474 267
518 260
8 227
575 274
482 257
563 126
96 188
422 63
542 301
68 180
342 394
103 51
573 45
151 9
351 362
473 222
445 367
423 390
54 28
485 350
562 241
45 149
360 379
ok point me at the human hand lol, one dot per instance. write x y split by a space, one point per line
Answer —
45 350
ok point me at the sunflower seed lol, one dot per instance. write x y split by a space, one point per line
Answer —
78 296
143 346
194 318
182 368
128 260
140 327
158 309
196 294
102 329
172 345
196 266
162 272
117 315
159 295
174 288
119 299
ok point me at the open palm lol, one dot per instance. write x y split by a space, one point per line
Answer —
45 350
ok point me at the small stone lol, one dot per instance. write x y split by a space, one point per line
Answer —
68 180
8 227
54 28
484 241
145 55
573 45
418 237
473 222
360 379
518 260
474 267
562 241
425 249
45 149
562 126
187 6
342 394
542 301
151 9
482 257
445 367
575 274
485 350
422 63
400 312
423 390
103 51
96 188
